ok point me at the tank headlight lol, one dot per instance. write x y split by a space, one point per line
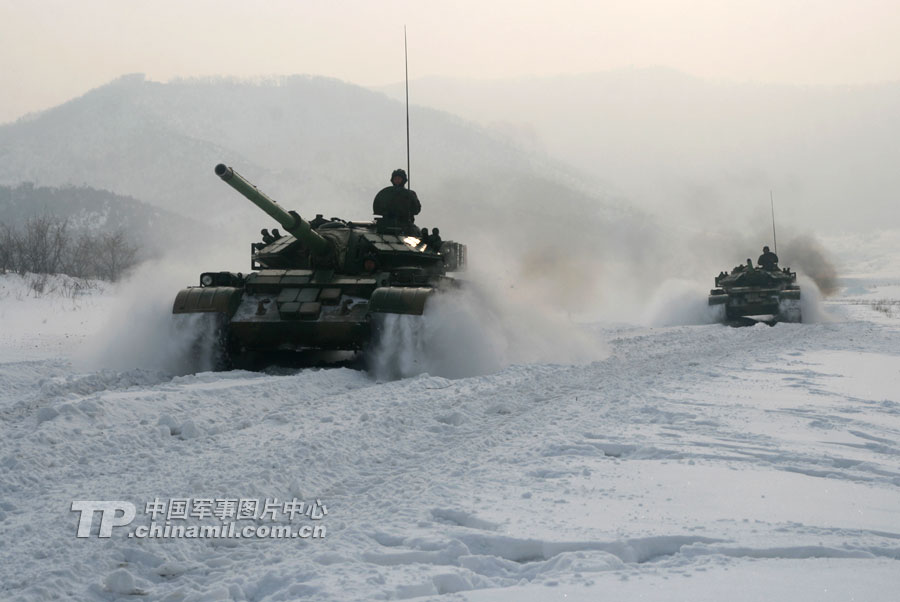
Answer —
206 280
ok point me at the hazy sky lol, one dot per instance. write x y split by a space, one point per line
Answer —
54 50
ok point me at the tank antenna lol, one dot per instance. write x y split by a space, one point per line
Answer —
406 67
774 239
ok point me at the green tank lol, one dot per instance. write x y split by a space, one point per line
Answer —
319 287
751 294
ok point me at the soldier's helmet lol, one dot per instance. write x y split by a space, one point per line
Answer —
765 249
399 172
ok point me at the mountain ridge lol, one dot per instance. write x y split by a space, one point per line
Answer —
305 128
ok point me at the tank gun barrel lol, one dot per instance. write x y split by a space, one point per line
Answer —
289 220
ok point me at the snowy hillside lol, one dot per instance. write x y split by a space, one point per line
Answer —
87 209
310 142
700 463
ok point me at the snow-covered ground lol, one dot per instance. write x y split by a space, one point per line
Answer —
691 463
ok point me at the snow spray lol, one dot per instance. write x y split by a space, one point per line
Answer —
453 339
141 331
680 302
471 332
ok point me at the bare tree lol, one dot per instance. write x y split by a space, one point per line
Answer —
42 245
58 243
32 246
45 245
9 246
116 255
81 261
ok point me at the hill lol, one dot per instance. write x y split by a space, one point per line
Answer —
306 140
84 208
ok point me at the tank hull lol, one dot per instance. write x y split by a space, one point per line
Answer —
751 295
279 312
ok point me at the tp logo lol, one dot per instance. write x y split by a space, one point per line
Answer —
108 518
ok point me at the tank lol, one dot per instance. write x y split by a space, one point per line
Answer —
752 294
319 287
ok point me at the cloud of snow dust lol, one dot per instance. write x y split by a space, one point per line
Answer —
538 297
812 309
545 241
474 331
142 332
677 302
804 253
561 250
453 339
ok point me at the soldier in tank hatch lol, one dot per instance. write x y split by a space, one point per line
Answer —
397 205
434 241
768 260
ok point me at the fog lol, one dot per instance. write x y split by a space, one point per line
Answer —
700 153
140 330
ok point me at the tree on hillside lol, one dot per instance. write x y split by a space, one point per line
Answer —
46 245
9 245
42 244
115 255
